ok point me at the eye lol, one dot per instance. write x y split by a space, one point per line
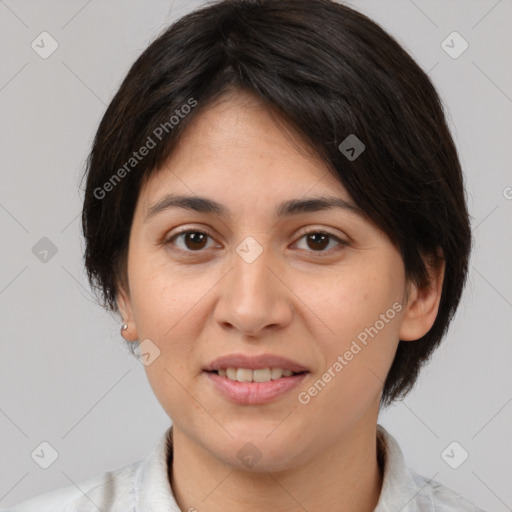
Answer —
195 240
318 240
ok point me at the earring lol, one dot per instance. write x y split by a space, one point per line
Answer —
124 326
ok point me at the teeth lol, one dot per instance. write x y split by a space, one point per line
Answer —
260 375
244 375
277 373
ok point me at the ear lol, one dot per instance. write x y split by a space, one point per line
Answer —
423 301
125 308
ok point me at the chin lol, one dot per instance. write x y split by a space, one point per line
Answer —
254 449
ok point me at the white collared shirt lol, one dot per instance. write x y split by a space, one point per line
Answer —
144 487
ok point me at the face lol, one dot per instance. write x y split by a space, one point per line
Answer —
323 289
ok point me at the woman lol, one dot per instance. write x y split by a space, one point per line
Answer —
275 207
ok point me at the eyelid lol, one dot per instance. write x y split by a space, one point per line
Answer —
317 229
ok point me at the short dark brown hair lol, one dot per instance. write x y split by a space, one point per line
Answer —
329 72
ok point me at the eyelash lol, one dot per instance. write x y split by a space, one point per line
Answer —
342 243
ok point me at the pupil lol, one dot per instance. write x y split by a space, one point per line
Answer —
322 237
195 239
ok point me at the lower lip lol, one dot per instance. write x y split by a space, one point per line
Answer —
254 393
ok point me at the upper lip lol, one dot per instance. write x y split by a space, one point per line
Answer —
255 363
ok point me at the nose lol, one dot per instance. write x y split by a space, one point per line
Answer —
253 296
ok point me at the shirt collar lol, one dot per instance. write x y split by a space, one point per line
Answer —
399 489
152 487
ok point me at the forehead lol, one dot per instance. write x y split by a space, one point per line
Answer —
237 149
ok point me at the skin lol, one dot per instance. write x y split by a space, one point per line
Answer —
294 300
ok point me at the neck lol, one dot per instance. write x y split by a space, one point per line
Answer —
346 476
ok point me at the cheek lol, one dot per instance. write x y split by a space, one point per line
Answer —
360 311
349 302
165 305
160 296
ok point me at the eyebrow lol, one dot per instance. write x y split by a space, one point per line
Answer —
284 209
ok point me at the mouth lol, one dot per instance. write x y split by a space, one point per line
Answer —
259 375
243 386
254 380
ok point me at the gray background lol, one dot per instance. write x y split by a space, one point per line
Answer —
65 376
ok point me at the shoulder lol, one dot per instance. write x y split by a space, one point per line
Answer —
112 491
404 489
138 486
435 496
